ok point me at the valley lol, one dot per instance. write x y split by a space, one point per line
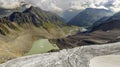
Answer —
21 33
29 32
17 43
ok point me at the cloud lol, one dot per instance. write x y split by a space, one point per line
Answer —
42 1
113 5
10 4
62 5
98 7
55 8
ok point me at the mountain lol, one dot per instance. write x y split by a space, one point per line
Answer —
33 15
69 14
107 30
89 16
20 30
100 21
113 23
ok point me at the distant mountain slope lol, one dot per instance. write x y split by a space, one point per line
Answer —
69 14
111 24
100 21
87 17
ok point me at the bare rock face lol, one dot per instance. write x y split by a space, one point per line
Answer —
76 57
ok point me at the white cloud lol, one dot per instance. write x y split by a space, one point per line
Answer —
42 1
54 7
63 5
98 7
9 4
115 9
115 5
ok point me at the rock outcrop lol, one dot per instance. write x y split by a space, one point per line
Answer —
76 57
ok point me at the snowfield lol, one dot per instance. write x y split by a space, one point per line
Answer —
76 57
105 61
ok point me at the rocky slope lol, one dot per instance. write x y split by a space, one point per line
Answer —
30 17
35 16
76 57
19 31
113 23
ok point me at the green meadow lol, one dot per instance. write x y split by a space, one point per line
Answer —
41 46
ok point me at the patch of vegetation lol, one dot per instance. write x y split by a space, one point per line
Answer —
42 46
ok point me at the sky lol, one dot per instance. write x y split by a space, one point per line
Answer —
63 5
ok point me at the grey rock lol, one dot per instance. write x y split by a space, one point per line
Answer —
76 57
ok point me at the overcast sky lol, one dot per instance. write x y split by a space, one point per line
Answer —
62 5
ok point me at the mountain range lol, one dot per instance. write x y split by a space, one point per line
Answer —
89 16
20 29
107 30
32 15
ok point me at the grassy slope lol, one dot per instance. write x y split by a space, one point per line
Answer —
19 40
41 46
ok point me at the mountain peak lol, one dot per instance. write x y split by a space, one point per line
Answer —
32 9
34 15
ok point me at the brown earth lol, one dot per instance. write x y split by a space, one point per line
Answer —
97 37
